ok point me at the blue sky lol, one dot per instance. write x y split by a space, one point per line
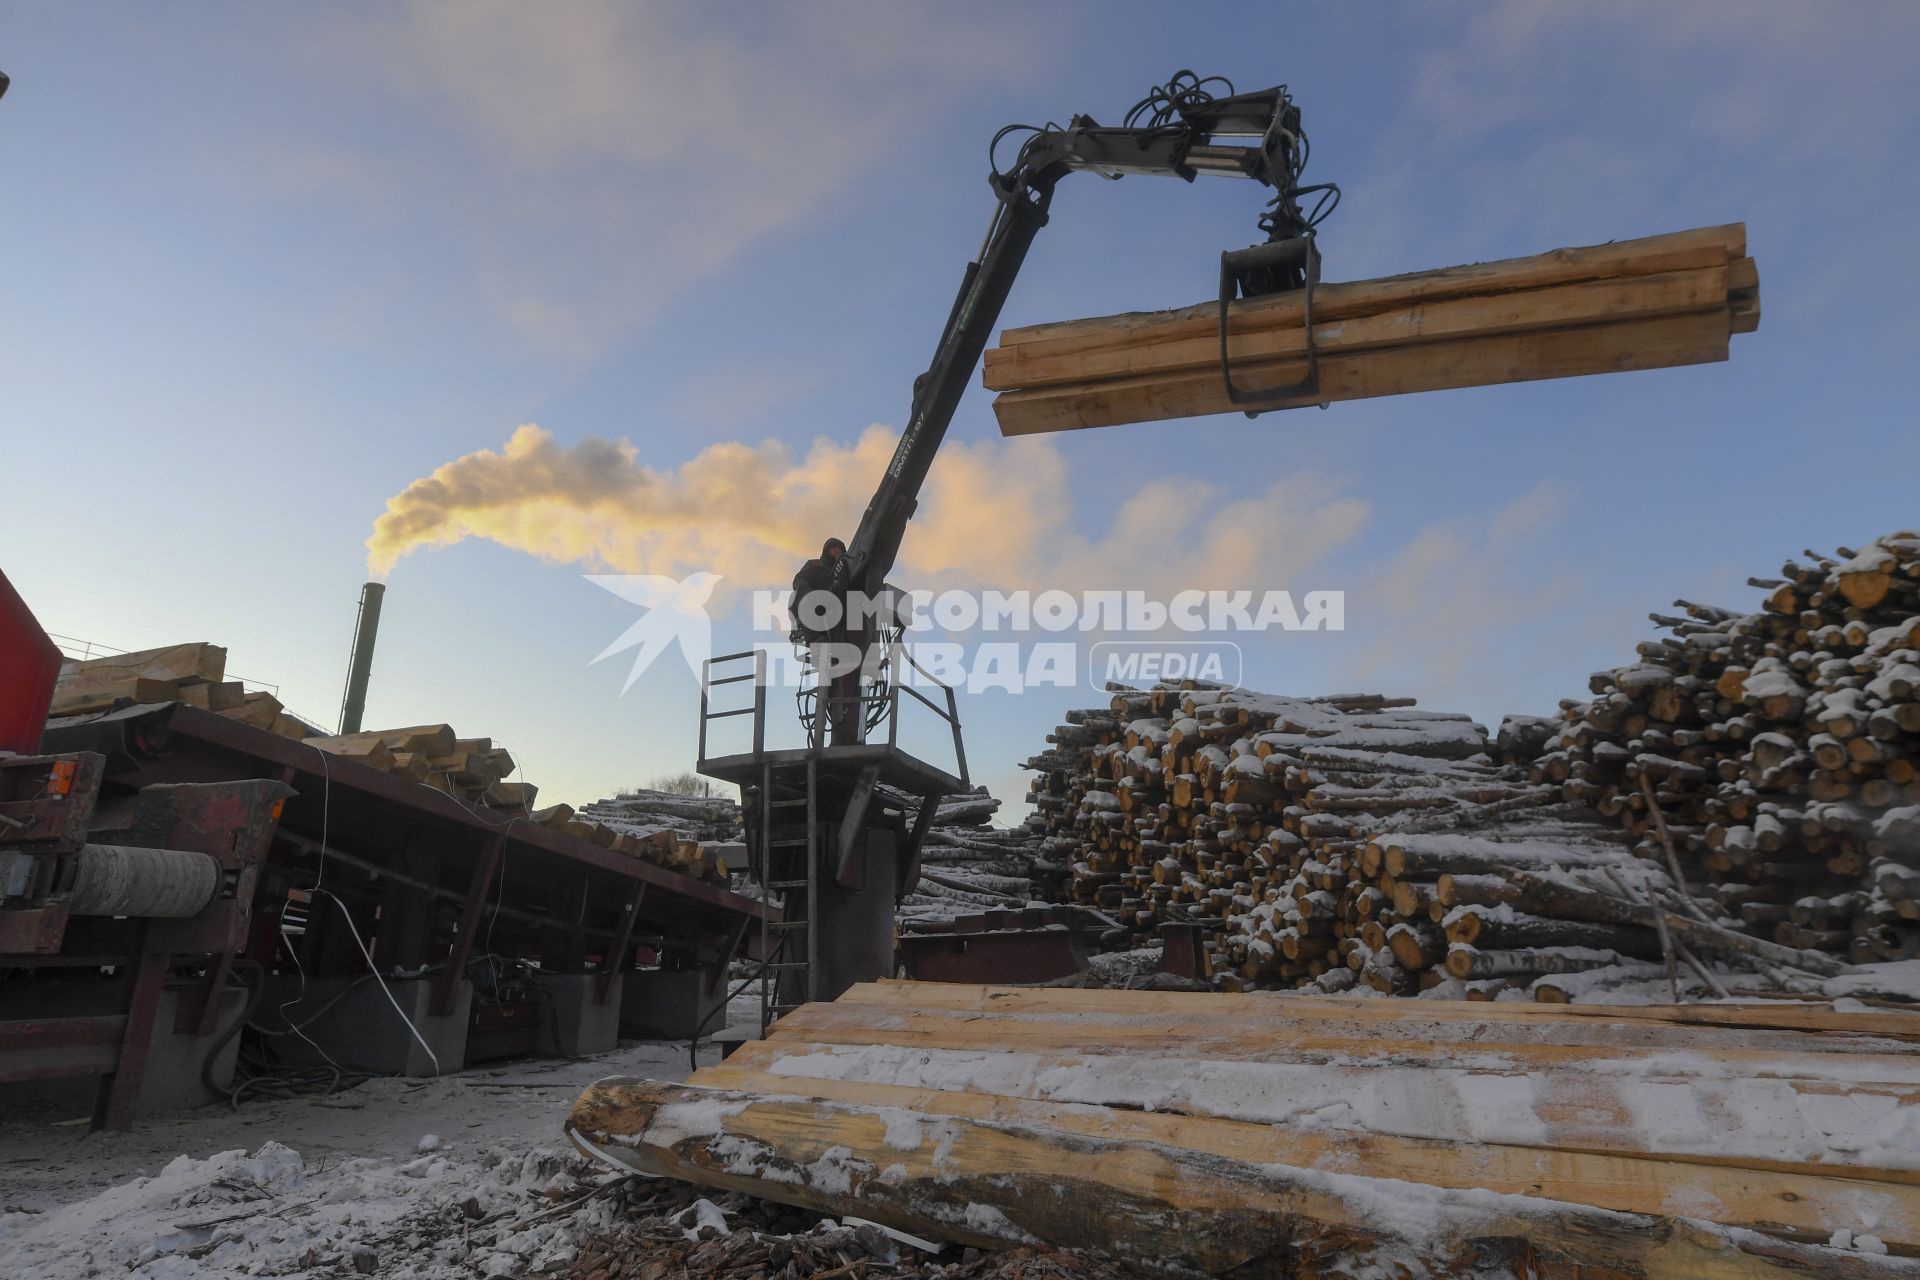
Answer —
268 265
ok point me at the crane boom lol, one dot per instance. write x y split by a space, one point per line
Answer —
1176 131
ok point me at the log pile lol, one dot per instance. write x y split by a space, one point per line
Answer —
1247 1135
698 835
1635 304
967 865
1777 752
1356 839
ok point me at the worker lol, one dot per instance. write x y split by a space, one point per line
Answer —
840 686
820 574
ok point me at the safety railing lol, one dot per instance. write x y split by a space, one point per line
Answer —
878 706
758 708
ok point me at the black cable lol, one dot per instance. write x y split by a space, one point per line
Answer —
1184 91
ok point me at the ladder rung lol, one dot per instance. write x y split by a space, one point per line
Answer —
786 924
786 884
786 965
786 844
785 804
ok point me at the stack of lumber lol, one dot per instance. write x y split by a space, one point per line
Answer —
1273 1136
1777 752
1635 304
1355 839
193 674
434 755
698 835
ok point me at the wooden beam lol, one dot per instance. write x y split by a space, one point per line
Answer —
1675 251
1439 1044
1647 1185
992 1185
1260 1008
1430 366
1823 1125
1608 301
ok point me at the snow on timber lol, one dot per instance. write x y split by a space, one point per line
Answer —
1668 1102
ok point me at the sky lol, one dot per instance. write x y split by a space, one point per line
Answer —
662 275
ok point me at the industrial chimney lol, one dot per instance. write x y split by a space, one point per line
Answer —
360 663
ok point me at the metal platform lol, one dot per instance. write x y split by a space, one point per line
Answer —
898 769
828 836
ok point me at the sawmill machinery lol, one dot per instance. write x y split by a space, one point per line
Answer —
828 825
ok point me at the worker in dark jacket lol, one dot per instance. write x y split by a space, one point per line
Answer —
842 693
820 574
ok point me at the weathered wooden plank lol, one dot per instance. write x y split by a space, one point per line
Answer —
1647 1185
987 1183
1269 1008
1778 1056
1390 371
194 661
1592 302
1799 1126
1675 251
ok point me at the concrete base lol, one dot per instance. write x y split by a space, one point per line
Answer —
579 1027
362 1030
671 1003
172 1075
176 1063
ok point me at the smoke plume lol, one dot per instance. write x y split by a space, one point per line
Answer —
993 513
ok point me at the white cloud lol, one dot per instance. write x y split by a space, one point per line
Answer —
582 164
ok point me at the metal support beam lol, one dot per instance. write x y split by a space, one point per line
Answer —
851 837
615 960
483 874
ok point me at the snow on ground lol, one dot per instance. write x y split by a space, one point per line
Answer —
425 1179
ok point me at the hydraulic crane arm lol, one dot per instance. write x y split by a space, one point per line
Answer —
1177 131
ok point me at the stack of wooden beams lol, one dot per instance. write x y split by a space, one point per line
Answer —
1636 304
193 674
434 755
1358 840
1778 749
698 835
1259 1135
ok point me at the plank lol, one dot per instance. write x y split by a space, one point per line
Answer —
1741 1197
224 695
97 693
258 708
1674 251
184 662
1431 366
1767 1014
1809 1126
362 748
1776 1055
989 1184
1592 302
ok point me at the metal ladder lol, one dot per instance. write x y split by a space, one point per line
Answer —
774 873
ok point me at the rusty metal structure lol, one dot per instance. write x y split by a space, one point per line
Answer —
163 849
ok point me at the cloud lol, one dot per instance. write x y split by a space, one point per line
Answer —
580 165
993 513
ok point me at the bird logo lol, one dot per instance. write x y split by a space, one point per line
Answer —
676 610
